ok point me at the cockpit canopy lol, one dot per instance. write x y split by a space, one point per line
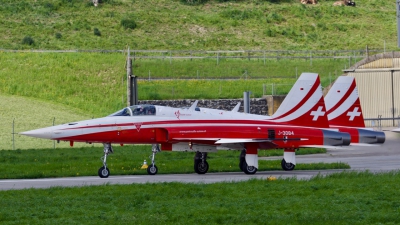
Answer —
136 110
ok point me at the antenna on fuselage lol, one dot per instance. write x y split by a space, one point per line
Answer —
236 109
193 107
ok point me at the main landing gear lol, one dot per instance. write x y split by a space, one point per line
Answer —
289 159
200 163
104 172
152 168
243 165
287 166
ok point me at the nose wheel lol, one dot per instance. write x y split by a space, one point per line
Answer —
152 169
104 172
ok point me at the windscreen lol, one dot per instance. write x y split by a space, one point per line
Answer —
136 110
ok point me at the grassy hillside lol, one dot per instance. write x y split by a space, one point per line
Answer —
209 25
28 114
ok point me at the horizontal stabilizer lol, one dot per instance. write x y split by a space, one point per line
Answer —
396 130
239 140
325 146
365 145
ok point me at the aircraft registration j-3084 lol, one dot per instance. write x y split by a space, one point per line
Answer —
300 122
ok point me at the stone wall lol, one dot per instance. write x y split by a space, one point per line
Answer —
274 101
257 105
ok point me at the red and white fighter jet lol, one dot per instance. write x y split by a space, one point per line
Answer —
300 121
344 113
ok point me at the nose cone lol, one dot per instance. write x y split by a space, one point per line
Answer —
46 133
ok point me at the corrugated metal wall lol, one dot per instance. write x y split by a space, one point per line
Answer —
396 95
379 96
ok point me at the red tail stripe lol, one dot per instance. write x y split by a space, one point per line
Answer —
344 98
304 100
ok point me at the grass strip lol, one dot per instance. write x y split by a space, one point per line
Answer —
342 198
126 160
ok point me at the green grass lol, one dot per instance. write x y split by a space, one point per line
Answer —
210 25
343 198
28 114
127 160
95 83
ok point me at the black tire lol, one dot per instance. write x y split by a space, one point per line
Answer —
287 166
103 172
248 169
152 169
242 158
241 163
200 167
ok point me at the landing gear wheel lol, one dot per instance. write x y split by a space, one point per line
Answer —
248 169
287 166
104 172
200 167
152 169
242 158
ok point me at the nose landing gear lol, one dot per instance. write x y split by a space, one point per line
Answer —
104 172
152 169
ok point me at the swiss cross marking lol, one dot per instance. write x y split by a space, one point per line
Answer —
317 113
353 114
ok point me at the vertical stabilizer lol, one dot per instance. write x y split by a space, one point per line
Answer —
343 103
304 105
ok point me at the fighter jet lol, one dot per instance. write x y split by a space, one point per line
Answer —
345 113
300 121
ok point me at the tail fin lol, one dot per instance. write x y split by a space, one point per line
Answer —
304 105
343 104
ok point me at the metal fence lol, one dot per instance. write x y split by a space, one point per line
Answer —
225 54
252 54
352 55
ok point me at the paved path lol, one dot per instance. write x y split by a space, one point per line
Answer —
375 159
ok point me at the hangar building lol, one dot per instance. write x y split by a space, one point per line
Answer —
378 83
